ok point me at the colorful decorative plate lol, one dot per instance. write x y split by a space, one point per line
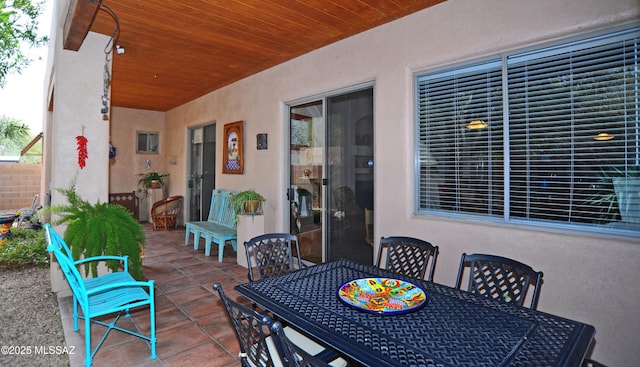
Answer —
385 296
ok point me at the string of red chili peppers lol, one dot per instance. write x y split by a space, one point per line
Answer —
82 149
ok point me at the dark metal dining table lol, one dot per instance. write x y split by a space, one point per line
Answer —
455 328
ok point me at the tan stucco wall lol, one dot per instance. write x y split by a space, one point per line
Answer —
125 168
589 278
127 165
78 78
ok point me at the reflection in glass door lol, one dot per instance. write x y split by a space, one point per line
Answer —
306 173
331 176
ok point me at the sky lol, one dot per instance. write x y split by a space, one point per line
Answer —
22 96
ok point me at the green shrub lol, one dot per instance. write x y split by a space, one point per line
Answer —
26 247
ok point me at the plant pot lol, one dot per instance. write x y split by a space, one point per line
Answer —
628 196
252 206
155 184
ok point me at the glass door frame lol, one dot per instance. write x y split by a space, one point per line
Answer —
322 97
194 184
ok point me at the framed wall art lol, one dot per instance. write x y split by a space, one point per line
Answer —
233 153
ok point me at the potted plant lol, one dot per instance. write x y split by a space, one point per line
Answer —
621 196
247 202
150 180
100 229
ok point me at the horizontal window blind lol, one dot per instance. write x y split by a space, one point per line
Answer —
559 101
572 135
460 140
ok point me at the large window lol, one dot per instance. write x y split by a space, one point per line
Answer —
547 136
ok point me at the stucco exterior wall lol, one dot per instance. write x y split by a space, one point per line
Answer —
77 104
588 278
126 167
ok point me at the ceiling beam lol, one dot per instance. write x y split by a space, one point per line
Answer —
80 16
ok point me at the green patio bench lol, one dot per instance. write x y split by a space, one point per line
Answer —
113 293
219 227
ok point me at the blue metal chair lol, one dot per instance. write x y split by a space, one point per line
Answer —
500 278
265 343
408 256
108 294
273 253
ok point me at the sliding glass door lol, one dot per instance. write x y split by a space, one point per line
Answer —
331 175
202 160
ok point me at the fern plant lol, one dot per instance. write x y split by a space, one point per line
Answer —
100 229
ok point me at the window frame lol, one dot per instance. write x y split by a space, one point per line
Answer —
148 149
505 60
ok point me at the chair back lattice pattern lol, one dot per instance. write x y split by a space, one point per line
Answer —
252 329
273 254
500 278
256 331
408 256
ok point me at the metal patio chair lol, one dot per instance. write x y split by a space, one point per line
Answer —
111 294
265 343
274 255
408 256
500 278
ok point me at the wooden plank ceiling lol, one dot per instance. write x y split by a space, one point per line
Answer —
177 50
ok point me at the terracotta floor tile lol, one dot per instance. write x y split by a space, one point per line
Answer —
217 324
207 278
237 271
163 303
186 295
165 320
198 268
202 355
201 307
134 353
185 262
177 284
180 338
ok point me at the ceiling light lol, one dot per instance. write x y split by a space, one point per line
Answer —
477 124
603 136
